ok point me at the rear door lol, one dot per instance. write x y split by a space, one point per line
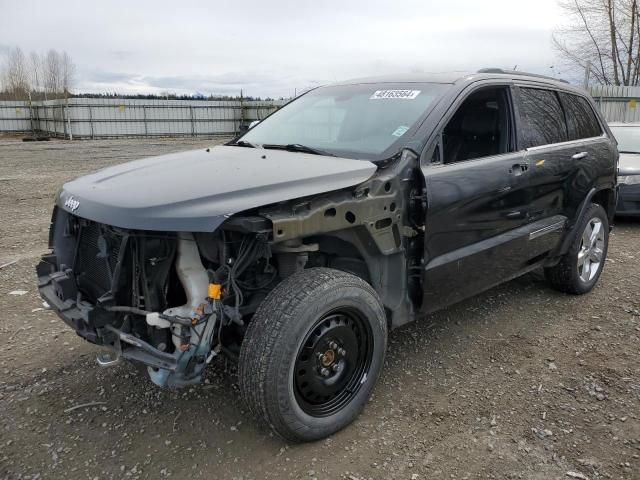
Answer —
590 153
476 184
561 135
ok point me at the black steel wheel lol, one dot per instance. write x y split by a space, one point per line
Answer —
312 353
332 362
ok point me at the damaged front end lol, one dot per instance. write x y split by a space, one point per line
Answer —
173 299
167 300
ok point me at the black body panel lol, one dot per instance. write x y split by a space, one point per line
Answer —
563 174
484 225
629 194
469 204
629 200
197 191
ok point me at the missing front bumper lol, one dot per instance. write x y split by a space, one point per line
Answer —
93 323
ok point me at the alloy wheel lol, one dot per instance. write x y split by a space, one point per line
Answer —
590 254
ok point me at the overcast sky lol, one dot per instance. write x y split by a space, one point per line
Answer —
271 47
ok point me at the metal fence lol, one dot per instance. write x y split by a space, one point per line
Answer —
618 104
14 116
112 117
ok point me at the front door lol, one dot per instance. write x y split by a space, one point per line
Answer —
477 201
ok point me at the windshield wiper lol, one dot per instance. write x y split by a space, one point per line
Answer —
242 143
297 147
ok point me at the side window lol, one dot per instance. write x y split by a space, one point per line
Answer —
543 117
581 120
480 127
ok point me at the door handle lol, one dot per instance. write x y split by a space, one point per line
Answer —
516 214
580 155
518 169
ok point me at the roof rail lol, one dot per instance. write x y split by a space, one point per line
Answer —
516 72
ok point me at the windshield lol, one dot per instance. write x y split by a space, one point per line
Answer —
369 121
628 137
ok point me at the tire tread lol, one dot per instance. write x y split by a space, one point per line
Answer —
265 333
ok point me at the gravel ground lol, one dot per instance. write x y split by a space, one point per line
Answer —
521 382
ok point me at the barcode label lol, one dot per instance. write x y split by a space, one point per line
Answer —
404 94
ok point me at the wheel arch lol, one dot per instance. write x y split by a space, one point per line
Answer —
385 272
605 196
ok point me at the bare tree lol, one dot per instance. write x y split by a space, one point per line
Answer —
35 67
15 74
48 76
604 36
52 72
67 73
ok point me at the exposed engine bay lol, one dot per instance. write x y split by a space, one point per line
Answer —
173 301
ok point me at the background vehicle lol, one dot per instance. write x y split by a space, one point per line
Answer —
352 210
628 137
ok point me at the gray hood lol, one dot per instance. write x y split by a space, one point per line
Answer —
629 164
196 191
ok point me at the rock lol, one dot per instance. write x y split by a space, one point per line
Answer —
577 475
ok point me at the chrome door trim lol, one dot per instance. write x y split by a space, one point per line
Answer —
554 227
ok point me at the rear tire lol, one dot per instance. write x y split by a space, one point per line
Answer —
580 268
312 353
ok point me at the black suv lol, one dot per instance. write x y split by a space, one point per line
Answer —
354 209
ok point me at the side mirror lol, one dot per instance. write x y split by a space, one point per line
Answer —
253 124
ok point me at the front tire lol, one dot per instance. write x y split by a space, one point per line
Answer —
312 353
580 268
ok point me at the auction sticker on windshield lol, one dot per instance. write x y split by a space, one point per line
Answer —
404 94
401 130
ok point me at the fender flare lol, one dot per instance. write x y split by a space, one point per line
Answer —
568 238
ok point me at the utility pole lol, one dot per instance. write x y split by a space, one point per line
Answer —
241 126
587 72
33 129
66 101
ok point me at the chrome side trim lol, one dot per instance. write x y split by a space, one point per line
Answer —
548 229
568 143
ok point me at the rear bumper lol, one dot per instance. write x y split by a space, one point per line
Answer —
628 200
93 323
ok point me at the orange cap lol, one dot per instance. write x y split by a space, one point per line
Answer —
214 291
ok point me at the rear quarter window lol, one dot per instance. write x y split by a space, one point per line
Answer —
581 119
542 117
